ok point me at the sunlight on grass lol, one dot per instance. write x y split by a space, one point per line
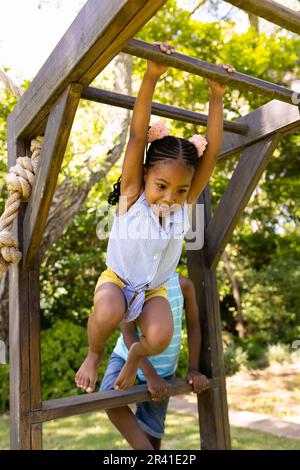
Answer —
93 431
274 390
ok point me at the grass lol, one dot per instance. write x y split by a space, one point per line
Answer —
274 391
93 431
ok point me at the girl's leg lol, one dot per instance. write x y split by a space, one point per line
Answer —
109 309
124 420
155 442
156 324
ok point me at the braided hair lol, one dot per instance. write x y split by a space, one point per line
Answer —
167 148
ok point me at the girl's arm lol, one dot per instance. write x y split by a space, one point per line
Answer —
132 169
214 138
192 321
194 376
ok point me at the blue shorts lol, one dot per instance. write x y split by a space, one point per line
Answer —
150 415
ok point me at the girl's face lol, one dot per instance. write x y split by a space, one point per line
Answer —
167 184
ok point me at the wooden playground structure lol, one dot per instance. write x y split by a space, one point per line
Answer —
101 30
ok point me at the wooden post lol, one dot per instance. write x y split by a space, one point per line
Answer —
212 404
23 335
35 353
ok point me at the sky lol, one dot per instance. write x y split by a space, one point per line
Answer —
30 29
28 34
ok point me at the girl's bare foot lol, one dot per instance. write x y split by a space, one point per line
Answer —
128 372
86 376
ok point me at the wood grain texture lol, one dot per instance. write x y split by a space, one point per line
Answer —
212 404
117 99
205 69
271 11
272 117
69 406
24 335
19 342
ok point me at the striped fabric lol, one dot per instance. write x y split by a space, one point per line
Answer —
165 363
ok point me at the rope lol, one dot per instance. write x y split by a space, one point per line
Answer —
19 183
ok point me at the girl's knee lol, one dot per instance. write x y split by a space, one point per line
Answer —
109 305
160 338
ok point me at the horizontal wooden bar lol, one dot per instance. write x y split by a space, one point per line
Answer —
205 69
94 38
56 138
237 194
272 117
271 11
122 101
69 406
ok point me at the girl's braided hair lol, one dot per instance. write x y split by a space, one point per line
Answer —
167 148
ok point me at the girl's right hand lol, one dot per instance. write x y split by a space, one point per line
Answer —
155 69
157 387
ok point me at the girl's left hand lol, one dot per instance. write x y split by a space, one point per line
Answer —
156 69
199 381
220 88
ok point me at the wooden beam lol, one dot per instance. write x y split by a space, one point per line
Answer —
69 406
237 194
19 346
205 69
55 141
272 117
212 404
122 101
35 352
271 11
94 38
24 334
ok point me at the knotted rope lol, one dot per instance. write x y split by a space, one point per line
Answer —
19 183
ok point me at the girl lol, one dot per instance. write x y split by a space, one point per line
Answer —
153 206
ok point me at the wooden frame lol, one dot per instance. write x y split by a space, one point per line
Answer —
205 69
55 141
100 31
69 406
171 112
272 117
212 404
271 11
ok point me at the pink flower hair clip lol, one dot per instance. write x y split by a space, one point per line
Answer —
199 142
157 131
